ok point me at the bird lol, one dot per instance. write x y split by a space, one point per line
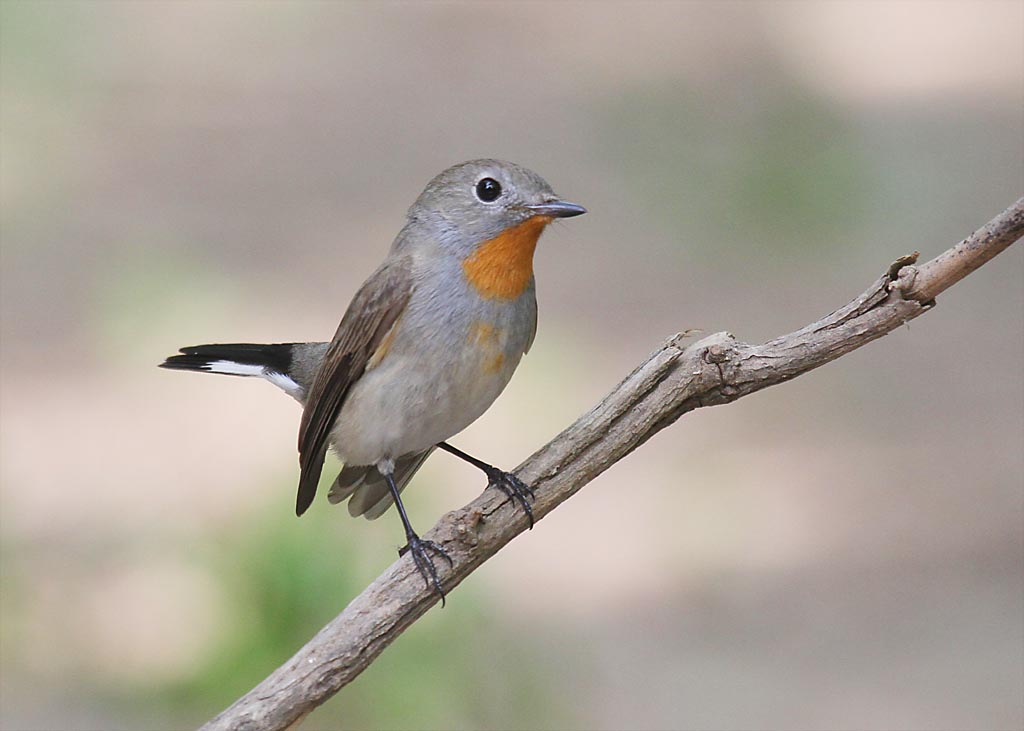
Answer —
426 345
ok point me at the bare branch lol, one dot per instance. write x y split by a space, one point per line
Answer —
672 381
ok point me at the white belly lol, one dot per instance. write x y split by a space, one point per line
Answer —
423 393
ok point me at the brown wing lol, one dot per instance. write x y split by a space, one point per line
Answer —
373 311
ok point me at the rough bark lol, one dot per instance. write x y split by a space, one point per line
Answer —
675 379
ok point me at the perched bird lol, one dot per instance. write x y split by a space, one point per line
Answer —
426 345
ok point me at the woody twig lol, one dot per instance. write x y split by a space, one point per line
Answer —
675 379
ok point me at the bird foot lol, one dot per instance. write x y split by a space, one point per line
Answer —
514 489
421 550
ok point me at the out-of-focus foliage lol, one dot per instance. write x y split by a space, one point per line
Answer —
775 159
280 581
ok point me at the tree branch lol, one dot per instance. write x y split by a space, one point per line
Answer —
672 381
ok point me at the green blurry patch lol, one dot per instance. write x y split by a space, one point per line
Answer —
772 164
146 295
283 579
41 43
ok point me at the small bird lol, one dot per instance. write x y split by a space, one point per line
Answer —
425 347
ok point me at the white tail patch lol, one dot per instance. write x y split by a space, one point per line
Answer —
231 368
285 383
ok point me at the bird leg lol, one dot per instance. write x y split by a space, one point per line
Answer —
511 486
418 547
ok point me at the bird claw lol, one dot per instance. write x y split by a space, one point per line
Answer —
514 489
420 550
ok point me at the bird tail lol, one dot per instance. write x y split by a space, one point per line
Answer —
368 490
272 362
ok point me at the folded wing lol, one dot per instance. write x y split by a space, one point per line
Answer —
374 310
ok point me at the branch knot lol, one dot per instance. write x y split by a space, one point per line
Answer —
717 355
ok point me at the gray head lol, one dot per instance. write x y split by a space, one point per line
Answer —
478 200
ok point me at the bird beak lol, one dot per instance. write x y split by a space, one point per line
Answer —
557 209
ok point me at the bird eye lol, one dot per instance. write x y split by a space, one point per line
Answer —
488 190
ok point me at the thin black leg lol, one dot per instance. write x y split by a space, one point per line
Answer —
511 486
419 548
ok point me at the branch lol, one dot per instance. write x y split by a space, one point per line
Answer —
672 381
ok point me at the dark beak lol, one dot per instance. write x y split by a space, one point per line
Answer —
557 209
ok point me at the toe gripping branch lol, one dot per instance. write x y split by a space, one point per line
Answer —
514 489
421 550
517 491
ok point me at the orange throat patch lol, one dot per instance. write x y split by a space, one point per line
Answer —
501 268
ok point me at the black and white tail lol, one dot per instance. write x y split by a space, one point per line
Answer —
272 362
292 368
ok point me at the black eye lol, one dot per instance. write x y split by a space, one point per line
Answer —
488 190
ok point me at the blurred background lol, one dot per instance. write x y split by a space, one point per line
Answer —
844 551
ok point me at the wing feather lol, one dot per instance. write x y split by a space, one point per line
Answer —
373 312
